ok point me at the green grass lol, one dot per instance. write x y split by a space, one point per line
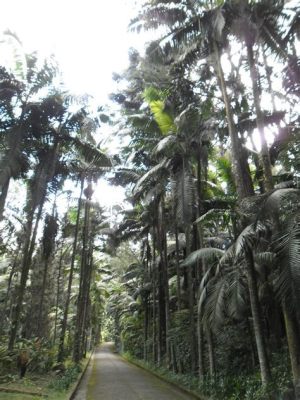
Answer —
56 388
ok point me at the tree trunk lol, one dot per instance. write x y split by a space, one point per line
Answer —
3 196
83 287
146 325
200 346
10 279
264 153
193 348
178 274
240 165
86 297
26 263
40 313
166 283
58 291
292 335
154 278
211 352
257 320
60 355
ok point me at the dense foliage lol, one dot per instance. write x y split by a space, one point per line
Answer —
212 171
198 278
51 291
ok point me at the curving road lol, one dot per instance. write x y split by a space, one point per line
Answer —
109 377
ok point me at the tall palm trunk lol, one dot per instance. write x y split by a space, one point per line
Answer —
14 145
154 280
161 321
200 344
269 79
264 153
86 294
166 283
164 310
257 320
193 348
60 355
58 290
43 292
191 297
146 326
240 165
26 263
3 195
37 195
11 274
292 335
178 273
83 287
211 352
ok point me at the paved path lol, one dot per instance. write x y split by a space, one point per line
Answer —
109 377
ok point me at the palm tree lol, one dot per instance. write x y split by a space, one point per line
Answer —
197 34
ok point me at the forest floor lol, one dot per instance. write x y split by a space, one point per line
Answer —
42 385
109 377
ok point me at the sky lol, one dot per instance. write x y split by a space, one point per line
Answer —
90 41
89 38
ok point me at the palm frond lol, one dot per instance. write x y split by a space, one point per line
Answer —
265 258
150 176
236 294
211 214
91 154
249 237
277 200
214 310
165 145
208 254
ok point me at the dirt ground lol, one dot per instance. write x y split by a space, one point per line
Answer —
109 377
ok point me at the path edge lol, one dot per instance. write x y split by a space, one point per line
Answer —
165 379
79 379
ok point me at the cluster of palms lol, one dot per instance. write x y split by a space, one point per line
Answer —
48 272
217 215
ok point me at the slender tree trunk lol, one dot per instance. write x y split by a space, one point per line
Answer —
211 352
14 144
146 325
86 297
269 79
26 263
252 343
58 291
178 274
83 287
161 322
240 165
257 320
193 348
3 196
264 153
166 283
40 313
201 371
154 279
60 355
292 335
13 270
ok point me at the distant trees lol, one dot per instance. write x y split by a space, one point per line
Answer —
211 191
43 144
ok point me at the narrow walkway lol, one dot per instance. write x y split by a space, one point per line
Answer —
109 377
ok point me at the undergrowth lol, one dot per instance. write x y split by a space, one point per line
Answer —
234 387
